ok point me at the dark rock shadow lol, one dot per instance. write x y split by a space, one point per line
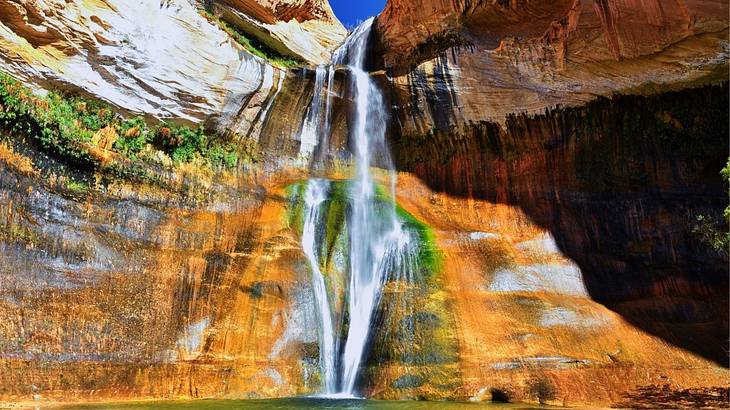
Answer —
620 183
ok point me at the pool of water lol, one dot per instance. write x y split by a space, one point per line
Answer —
301 403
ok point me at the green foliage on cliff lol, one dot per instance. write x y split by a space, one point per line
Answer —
252 45
78 131
64 126
717 234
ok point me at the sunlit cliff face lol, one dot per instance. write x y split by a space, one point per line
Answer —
188 188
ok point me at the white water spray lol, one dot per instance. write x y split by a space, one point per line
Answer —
314 197
377 241
310 130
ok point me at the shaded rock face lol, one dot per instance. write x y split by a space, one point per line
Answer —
619 183
519 321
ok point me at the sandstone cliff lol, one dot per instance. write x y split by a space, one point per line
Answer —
170 63
455 62
572 251
302 28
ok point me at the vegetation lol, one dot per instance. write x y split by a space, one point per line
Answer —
79 131
252 45
430 259
709 230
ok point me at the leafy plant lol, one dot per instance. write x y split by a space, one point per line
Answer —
133 138
713 232
66 126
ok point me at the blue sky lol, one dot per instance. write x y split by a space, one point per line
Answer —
350 12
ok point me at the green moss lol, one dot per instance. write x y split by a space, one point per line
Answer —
295 208
335 209
252 45
76 187
430 258
14 233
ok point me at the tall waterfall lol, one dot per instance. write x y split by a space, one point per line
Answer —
379 246
314 197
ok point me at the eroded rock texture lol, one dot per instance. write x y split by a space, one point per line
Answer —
159 59
620 184
305 29
574 270
455 62
193 289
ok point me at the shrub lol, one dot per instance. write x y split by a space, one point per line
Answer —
133 137
66 126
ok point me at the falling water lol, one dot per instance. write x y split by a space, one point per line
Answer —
310 129
380 248
280 82
314 197
374 238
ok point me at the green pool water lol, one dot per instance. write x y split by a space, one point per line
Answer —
302 403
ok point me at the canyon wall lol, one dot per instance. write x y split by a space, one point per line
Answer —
496 111
455 62
303 29
172 63
572 223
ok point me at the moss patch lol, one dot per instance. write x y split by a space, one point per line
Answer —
336 209
252 45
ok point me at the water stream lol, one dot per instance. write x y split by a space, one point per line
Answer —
379 246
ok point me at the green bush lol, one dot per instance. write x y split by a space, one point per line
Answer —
66 125
55 122
133 137
223 156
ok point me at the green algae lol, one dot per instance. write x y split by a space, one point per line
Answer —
335 210
430 258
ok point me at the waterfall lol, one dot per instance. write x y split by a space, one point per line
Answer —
379 246
374 236
279 83
310 128
314 197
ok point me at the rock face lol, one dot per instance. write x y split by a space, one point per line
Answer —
574 269
307 29
631 227
455 62
126 53
136 292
